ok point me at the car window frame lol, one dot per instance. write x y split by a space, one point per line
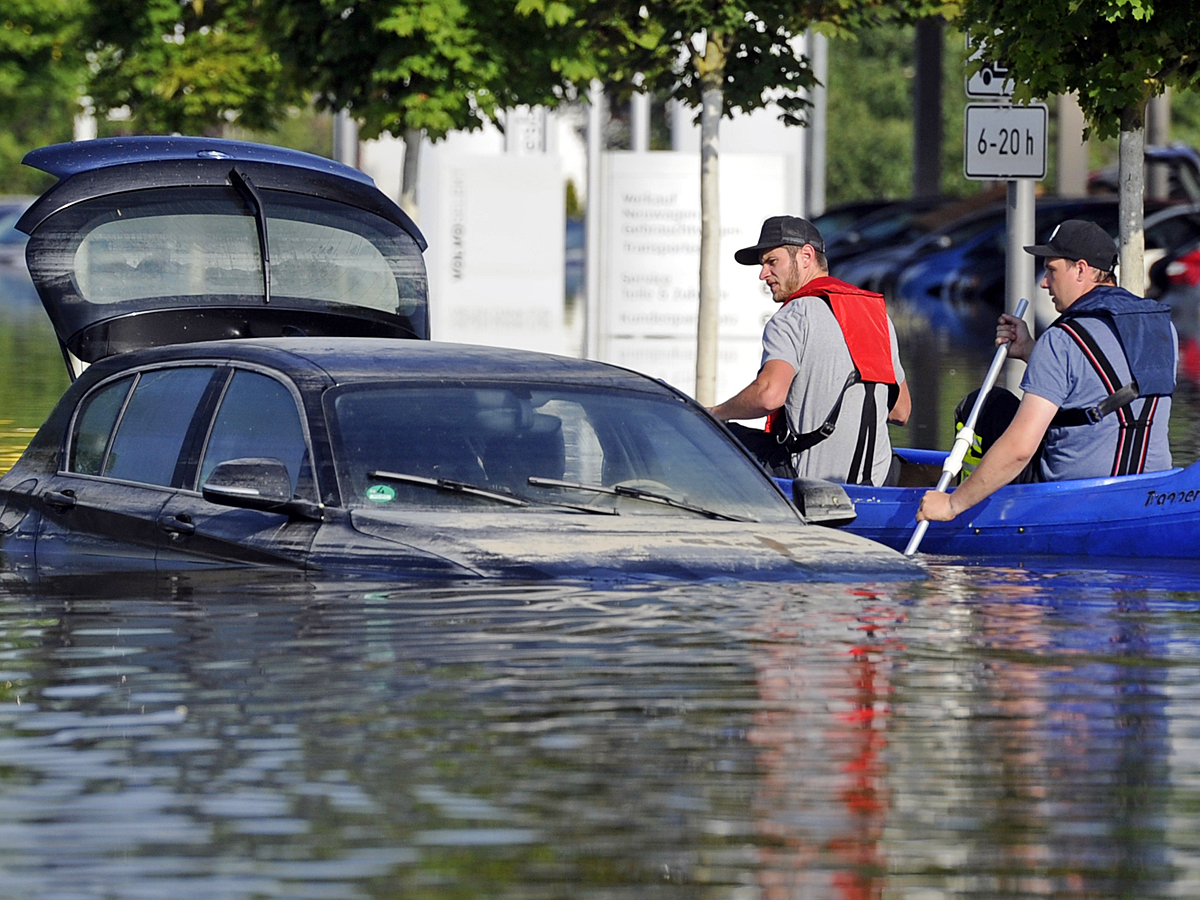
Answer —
233 367
203 407
200 425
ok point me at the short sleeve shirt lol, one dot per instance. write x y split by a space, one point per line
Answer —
1060 372
805 334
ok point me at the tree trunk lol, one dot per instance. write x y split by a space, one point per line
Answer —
1132 177
412 157
712 74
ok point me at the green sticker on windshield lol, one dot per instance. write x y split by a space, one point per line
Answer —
381 493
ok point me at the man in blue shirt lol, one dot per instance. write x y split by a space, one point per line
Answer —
1097 389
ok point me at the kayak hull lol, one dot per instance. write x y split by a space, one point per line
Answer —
1151 515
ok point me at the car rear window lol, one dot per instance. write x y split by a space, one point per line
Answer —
204 252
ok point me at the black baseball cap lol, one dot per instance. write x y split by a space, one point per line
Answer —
778 231
1079 239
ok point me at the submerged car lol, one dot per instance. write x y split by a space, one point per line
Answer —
252 387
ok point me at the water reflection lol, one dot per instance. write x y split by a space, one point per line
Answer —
990 733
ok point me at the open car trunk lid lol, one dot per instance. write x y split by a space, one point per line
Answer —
151 241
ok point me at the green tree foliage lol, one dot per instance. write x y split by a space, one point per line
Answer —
433 65
870 123
40 75
1116 54
188 67
749 49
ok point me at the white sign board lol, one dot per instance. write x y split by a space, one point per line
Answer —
1004 142
496 237
650 257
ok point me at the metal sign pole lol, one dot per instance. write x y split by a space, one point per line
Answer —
1020 270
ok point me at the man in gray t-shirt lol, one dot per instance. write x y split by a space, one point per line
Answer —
829 358
1097 390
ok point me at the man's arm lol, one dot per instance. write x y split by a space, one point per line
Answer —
899 413
1000 465
763 395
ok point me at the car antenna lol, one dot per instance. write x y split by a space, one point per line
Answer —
249 193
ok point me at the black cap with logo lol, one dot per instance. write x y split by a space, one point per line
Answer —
778 231
1078 239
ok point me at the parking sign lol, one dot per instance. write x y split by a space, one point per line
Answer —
1004 142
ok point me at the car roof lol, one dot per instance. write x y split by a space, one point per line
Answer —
345 360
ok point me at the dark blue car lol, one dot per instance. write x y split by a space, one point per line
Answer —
246 328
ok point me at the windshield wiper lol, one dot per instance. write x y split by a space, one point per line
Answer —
445 484
620 490
249 193
461 487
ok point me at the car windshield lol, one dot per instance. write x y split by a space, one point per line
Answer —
572 448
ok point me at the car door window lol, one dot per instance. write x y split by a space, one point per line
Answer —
93 427
155 423
258 418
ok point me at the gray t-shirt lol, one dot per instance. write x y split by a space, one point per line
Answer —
1059 371
805 335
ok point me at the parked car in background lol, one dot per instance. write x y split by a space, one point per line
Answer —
837 219
246 328
876 269
1175 281
957 274
896 224
971 275
1183 173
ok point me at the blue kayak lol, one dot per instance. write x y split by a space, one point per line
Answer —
1151 515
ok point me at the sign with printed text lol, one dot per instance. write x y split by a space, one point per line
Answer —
650 263
1004 142
496 249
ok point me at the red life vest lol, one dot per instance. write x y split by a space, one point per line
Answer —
862 317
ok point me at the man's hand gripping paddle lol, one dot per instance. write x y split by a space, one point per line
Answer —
966 434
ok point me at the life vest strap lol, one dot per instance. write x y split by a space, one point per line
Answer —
798 443
864 450
1133 440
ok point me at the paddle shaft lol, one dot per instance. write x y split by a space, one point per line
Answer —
966 434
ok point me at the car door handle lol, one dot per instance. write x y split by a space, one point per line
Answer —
60 499
176 525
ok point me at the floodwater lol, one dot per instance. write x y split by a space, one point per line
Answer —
995 731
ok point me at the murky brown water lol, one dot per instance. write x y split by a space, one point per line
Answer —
993 732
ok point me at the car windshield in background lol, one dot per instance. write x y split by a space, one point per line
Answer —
545 445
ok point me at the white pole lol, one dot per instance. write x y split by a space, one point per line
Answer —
597 114
639 122
818 46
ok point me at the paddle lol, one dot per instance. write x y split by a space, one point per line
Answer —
966 434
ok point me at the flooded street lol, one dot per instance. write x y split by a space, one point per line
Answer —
1005 730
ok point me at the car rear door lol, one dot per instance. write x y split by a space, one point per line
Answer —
102 511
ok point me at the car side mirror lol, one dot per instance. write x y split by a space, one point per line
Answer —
823 502
260 483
